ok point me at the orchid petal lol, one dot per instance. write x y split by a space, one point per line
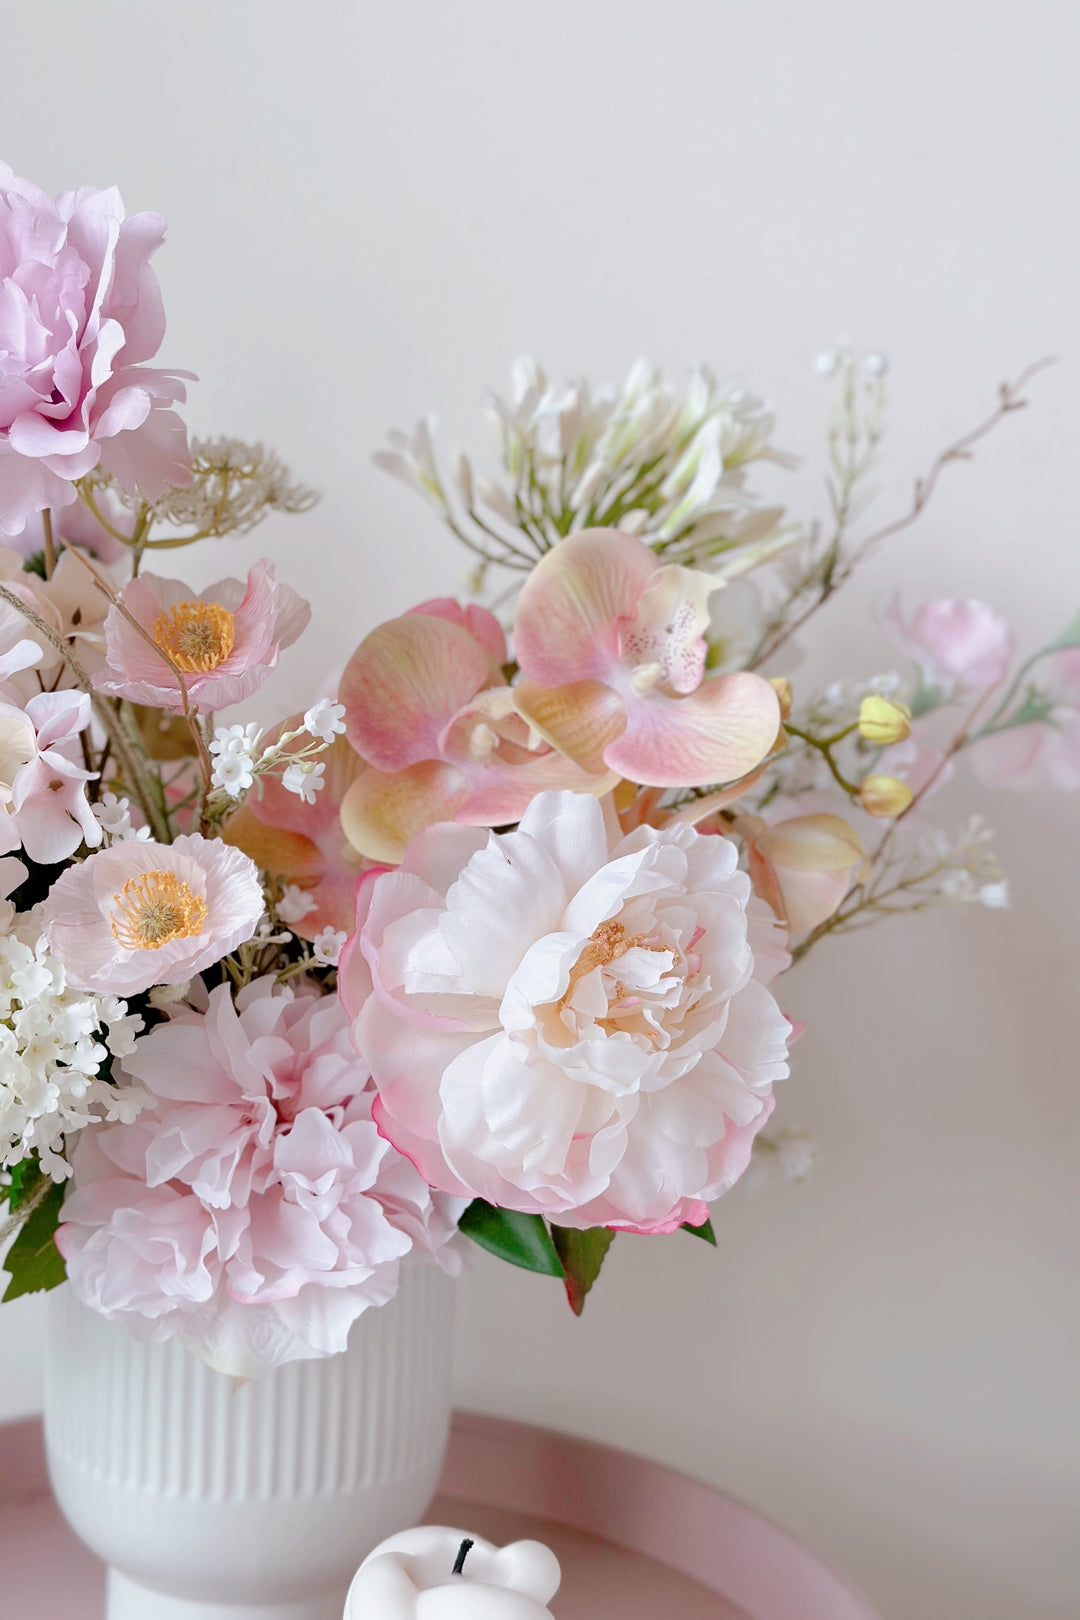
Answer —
382 810
403 684
820 843
580 719
716 734
567 623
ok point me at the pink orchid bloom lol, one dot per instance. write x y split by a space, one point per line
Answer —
959 645
427 707
1041 751
225 640
80 310
43 803
609 642
303 844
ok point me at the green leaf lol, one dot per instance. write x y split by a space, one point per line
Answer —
1069 637
705 1230
34 1261
521 1240
582 1254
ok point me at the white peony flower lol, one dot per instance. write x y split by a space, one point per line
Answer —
567 1021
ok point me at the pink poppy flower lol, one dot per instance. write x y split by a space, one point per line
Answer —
959 645
142 913
43 804
567 1021
304 844
609 642
1046 750
225 640
80 310
255 1211
427 706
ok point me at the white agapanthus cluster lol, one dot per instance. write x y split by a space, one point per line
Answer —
666 464
53 1042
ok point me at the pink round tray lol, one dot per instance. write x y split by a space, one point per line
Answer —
635 1539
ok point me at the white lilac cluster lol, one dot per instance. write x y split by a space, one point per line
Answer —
649 459
235 763
53 1042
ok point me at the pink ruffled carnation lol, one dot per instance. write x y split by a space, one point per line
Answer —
142 913
225 640
80 310
255 1211
567 1021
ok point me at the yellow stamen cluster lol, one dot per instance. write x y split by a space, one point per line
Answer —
197 636
153 909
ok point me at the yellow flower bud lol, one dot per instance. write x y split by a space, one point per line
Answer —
884 795
883 721
782 687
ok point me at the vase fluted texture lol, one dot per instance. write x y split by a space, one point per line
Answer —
211 1499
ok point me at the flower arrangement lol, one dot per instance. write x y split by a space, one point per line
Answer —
488 943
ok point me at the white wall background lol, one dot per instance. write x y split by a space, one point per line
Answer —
373 209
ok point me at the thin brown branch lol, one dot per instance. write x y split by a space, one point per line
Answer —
1009 400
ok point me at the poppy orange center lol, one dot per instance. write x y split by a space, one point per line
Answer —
153 909
198 636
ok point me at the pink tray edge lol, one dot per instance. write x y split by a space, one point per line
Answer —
628 1501
646 1507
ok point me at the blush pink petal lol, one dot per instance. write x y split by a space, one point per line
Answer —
80 311
404 683
266 617
76 915
254 1211
510 1068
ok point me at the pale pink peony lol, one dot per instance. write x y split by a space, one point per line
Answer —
959 645
610 642
141 913
80 310
1040 751
428 708
43 805
255 1211
225 640
568 1021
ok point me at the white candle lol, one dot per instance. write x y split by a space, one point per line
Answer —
430 1574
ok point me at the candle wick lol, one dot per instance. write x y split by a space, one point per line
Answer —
463 1553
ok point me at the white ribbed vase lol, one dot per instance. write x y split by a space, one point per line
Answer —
214 1500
